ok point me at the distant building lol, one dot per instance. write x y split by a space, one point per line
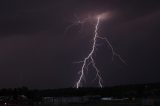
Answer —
67 100
48 100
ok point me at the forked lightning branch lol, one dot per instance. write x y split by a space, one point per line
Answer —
89 59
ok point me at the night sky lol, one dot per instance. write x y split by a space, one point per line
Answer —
35 50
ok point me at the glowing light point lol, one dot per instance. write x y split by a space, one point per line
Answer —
102 16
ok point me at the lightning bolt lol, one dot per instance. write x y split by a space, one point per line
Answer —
77 23
89 60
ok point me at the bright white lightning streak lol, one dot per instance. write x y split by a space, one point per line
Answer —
90 59
113 52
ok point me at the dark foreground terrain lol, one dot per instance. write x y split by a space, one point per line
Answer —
99 103
127 95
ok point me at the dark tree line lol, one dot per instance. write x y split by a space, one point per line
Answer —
140 90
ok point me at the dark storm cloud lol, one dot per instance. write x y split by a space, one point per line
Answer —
23 16
36 53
